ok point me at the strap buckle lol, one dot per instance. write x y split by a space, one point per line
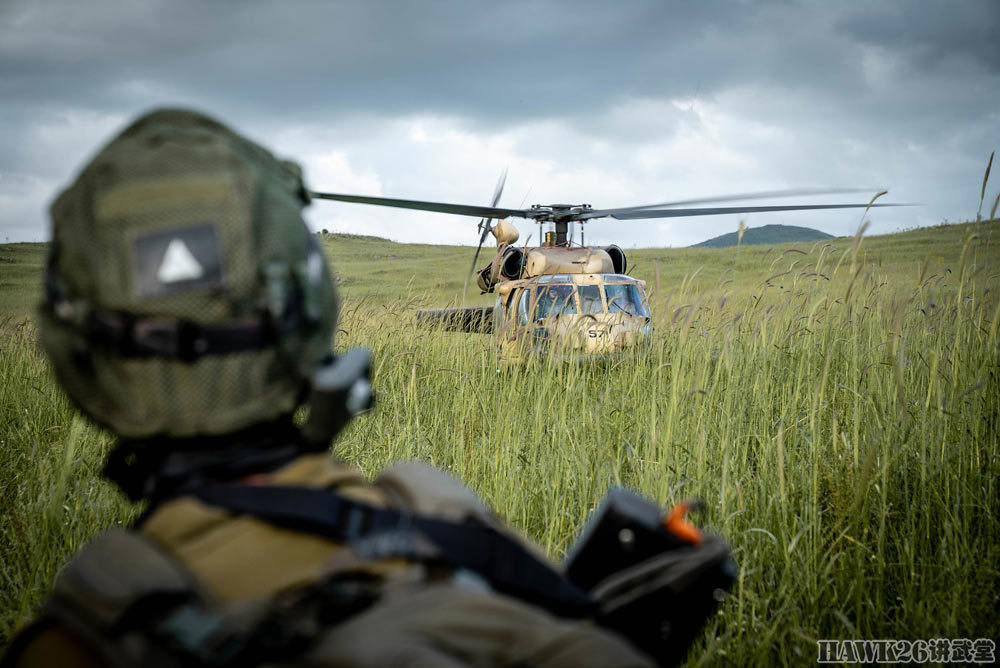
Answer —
180 339
132 336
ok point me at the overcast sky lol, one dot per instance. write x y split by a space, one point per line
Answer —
608 103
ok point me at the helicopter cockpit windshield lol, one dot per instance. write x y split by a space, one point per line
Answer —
552 299
625 298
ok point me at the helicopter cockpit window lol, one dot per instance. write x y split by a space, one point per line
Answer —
625 298
498 315
522 306
590 299
554 300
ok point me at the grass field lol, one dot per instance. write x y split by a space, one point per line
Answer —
837 406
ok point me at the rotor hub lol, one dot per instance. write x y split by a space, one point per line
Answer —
558 213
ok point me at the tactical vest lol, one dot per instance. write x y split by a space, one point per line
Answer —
391 598
418 573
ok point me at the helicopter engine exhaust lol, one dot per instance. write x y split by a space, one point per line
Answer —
618 260
508 264
512 263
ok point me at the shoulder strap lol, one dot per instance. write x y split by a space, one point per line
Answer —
378 533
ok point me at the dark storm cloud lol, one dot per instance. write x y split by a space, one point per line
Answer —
884 93
502 60
931 35
498 61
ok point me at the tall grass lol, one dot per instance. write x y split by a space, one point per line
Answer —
837 411
52 500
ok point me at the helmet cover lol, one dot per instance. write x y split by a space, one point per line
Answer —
185 294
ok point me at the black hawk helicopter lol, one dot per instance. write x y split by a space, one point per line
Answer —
577 296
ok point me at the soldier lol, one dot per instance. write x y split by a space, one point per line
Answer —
189 310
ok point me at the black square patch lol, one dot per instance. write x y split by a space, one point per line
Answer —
180 260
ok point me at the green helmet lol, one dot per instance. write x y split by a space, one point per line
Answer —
185 295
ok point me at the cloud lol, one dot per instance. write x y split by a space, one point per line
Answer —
584 101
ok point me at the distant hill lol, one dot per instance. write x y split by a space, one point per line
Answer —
768 234
345 236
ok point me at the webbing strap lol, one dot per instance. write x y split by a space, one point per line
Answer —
180 339
501 560
128 335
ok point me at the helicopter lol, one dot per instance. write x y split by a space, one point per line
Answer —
578 298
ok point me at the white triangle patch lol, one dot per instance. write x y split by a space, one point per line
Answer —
178 264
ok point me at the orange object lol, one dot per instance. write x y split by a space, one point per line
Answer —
677 523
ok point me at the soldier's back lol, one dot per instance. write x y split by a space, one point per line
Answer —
326 603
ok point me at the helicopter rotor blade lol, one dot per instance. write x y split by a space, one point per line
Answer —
498 191
484 225
770 194
717 211
475 258
437 207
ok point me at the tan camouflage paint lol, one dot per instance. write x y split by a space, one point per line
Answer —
570 334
